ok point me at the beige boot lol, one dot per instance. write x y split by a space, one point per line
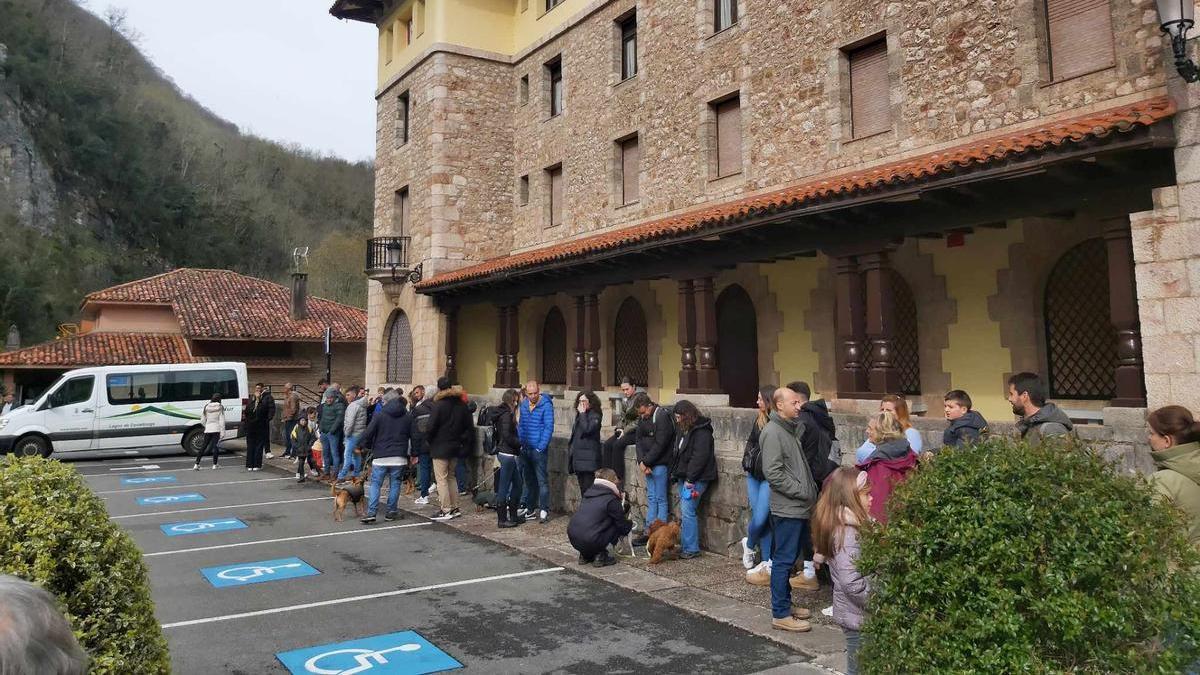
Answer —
791 624
803 583
801 613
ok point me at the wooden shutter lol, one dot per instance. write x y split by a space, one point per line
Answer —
1081 37
630 163
524 190
556 196
400 212
870 91
729 137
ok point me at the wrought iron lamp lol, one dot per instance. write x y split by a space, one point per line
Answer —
1178 17
394 258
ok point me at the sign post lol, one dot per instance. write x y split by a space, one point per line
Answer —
328 354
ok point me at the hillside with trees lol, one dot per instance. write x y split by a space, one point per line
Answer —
108 173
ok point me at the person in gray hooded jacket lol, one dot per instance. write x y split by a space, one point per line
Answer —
353 425
1039 419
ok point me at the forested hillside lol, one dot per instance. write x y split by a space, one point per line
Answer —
109 173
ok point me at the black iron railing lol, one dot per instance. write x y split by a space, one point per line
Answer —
384 253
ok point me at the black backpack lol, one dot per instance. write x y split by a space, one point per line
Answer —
752 457
491 431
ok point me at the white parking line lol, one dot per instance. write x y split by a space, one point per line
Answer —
176 486
217 508
86 464
339 601
276 541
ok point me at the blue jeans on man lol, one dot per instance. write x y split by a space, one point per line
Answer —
376 484
787 534
331 453
657 493
537 483
350 463
508 483
758 533
689 535
424 473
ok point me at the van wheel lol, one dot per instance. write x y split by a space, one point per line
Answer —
194 442
32 446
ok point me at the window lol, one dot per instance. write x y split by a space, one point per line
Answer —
402 111
399 350
400 212
1081 37
728 144
387 44
408 30
905 356
554 348
555 194
1081 348
523 90
200 385
725 14
630 166
628 47
554 75
523 190
74 390
629 344
131 388
870 93
551 4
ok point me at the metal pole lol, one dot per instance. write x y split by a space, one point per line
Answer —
328 354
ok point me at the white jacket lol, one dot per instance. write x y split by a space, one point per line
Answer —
213 418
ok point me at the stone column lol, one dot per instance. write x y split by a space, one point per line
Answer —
591 343
578 360
451 343
687 336
852 373
708 378
883 377
1122 298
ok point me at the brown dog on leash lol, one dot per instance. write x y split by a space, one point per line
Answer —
349 491
664 541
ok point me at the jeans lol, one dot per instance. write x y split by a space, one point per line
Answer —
462 476
288 426
788 533
331 452
758 533
853 644
537 483
424 473
393 500
508 485
350 465
657 488
443 470
690 527
210 447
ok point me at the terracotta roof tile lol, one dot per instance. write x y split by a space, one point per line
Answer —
225 304
1053 134
101 349
266 362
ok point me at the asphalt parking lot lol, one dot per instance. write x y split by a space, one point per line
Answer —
251 574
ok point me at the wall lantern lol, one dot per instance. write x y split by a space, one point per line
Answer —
1178 17
395 258
393 253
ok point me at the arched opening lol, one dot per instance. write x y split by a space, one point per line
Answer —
908 348
1081 348
737 346
629 344
554 348
399 349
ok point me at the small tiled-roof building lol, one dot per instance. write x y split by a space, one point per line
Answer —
194 315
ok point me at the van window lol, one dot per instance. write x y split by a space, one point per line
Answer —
131 388
74 390
200 385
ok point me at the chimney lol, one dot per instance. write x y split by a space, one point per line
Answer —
14 338
299 296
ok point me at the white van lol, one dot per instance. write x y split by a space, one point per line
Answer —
126 407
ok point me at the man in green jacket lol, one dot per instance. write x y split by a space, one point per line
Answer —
793 495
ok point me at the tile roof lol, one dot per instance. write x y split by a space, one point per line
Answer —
101 349
225 304
1053 134
264 362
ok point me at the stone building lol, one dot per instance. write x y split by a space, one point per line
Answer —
872 196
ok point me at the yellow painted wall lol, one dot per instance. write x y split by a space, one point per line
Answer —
533 24
975 359
477 348
428 28
792 282
666 294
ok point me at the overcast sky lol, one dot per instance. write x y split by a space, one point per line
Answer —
281 69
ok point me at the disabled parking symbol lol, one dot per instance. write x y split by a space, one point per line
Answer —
403 653
202 526
157 500
146 480
257 572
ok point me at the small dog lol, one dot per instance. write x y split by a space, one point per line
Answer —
350 491
664 541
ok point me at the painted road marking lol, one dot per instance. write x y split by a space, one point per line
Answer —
216 508
171 499
143 480
242 574
112 461
202 526
403 653
360 598
172 487
142 467
276 541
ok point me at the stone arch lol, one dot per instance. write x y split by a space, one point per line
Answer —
554 348
630 343
770 321
399 348
1081 350
737 346
652 296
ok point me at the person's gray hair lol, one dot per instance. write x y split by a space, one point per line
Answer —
35 638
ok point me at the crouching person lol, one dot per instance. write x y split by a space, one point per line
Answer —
600 521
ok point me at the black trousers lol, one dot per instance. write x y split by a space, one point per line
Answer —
589 551
210 447
612 454
585 478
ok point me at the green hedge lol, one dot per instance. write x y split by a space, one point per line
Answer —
55 532
1006 558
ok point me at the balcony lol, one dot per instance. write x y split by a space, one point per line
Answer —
387 263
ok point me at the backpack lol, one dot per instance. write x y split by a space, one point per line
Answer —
752 459
491 430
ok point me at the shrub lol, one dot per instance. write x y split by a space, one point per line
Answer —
55 532
1006 558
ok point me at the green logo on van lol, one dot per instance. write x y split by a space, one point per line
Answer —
168 410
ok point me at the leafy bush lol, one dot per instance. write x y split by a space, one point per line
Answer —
55 532
1006 558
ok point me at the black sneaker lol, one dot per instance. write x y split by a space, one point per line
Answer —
299 479
604 560
441 516
369 519
393 515
584 560
455 513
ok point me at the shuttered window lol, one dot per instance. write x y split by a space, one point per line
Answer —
630 163
554 178
870 92
400 212
729 137
402 111
1081 37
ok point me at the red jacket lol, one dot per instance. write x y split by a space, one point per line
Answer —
884 475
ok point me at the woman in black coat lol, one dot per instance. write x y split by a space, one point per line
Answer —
585 440
694 465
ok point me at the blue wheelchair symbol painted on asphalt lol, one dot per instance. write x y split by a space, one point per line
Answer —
202 526
404 653
258 572
156 500
144 480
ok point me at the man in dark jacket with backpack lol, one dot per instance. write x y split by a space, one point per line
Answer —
819 433
655 437
387 436
451 431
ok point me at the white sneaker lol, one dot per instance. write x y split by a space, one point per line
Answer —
828 611
747 555
433 488
216 466
764 566
197 467
269 455
421 500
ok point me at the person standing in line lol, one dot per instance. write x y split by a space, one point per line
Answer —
1175 449
758 531
655 440
332 419
304 435
817 443
450 429
388 437
584 448
508 450
259 433
891 462
267 408
965 426
35 636
1039 418
420 409
896 405
291 415
535 426
213 419
354 424
844 506
694 466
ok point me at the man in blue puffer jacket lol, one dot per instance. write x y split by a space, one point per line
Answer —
535 426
